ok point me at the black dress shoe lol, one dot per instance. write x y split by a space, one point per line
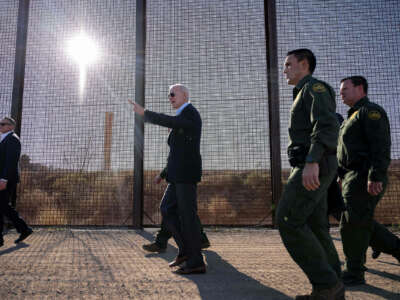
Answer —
154 247
195 270
24 235
178 261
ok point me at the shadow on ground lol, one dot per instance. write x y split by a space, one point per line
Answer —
14 248
239 285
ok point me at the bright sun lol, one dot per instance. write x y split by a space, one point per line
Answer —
83 50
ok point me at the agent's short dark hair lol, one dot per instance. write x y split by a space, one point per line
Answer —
302 54
356 81
10 120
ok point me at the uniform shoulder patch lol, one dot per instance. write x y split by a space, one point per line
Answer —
374 115
319 87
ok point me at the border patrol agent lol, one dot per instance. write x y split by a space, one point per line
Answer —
301 213
363 157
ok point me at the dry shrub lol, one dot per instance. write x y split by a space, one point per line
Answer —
230 197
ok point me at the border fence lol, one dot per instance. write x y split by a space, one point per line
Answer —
68 69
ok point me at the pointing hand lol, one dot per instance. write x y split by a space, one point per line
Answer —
137 108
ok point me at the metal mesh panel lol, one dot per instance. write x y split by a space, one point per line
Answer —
217 49
78 130
348 38
77 126
8 32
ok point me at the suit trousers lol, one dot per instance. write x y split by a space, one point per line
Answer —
7 210
163 235
179 212
304 229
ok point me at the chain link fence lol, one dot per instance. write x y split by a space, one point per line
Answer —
78 129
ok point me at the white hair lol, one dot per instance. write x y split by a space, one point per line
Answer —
182 88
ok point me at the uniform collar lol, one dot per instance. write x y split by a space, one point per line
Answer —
359 103
300 84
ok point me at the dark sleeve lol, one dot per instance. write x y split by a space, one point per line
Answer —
377 132
340 118
183 120
13 151
163 173
325 126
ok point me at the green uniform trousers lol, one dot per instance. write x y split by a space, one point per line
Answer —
304 229
357 227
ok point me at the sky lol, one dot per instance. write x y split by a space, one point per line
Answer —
216 48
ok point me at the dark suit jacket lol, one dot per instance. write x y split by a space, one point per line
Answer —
10 150
184 159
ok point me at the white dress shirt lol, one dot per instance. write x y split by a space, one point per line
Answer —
3 135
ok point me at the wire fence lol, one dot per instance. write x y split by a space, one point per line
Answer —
78 128
8 34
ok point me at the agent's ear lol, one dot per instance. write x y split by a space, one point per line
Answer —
304 65
360 89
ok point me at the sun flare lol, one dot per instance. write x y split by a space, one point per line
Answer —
83 50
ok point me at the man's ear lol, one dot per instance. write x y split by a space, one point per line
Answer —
304 65
360 90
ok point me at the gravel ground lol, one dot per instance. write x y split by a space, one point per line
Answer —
244 263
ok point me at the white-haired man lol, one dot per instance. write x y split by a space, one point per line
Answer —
183 172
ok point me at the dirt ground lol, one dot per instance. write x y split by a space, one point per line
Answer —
68 263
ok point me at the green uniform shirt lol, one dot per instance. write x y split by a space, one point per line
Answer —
364 140
313 123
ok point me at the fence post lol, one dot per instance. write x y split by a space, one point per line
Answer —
19 72
273 101
139 124
19 65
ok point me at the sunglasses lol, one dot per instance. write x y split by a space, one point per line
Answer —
171 95
4 124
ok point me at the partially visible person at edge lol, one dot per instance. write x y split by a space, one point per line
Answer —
335 200
183 172
301 213
10 150
363 155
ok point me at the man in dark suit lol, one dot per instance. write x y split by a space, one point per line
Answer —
10 150
183 172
